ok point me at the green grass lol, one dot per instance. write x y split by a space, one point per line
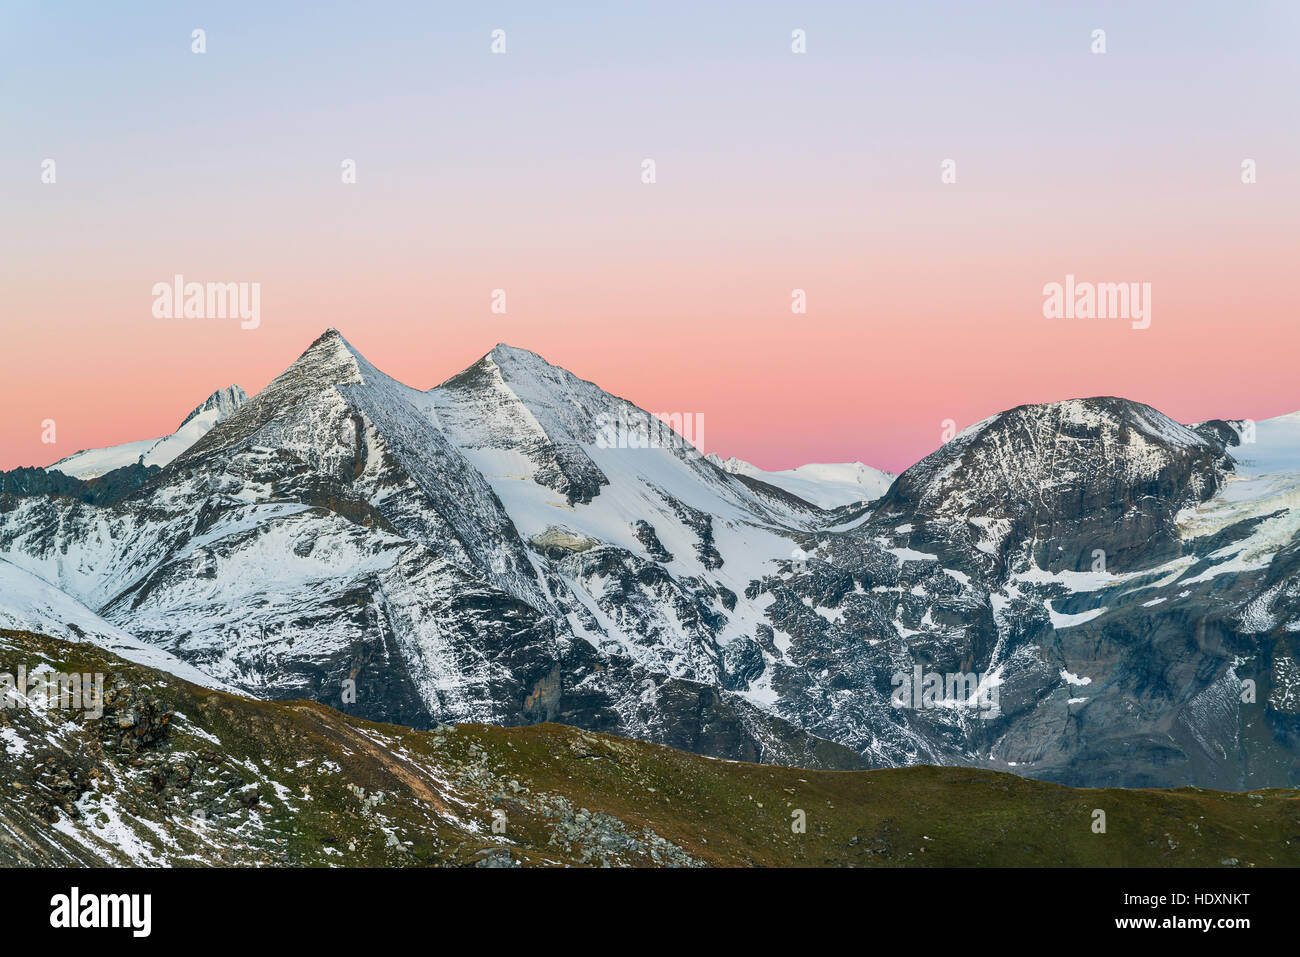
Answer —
334 790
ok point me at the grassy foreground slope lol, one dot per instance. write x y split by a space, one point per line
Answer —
177 774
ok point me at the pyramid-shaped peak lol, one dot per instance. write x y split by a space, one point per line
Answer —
330 359
525 372
505 348
507 364
331 338
503 354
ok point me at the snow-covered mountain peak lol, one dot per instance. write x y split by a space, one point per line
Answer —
1055 444
216 408
330 360
1104 413
506 366
505 354
734 465
297 408
220 404
555 395
826 485
497 550
1112 472
526 391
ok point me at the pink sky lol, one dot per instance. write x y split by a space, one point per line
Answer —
940 321
775 172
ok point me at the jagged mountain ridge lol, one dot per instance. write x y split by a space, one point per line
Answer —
327 532
96 463
477 552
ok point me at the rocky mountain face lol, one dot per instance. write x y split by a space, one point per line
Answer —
101 490
1069 477
1117 591
1094 561
330 540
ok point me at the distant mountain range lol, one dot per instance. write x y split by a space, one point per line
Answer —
1123 589
825 485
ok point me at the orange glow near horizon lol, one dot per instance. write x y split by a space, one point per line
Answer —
775 172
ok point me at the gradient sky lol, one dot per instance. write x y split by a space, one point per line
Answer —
775 171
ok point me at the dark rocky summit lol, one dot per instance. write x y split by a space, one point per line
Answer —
105 489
